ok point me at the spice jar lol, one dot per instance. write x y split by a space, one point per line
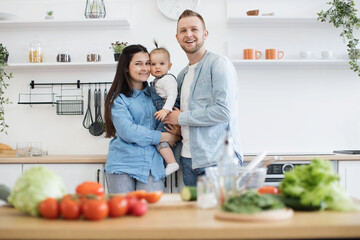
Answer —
93 57
35 52
63 56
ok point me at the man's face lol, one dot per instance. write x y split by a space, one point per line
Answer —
191 34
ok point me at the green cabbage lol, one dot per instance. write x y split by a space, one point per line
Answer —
33 186
316 185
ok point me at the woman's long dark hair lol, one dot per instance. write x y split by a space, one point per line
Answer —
121 84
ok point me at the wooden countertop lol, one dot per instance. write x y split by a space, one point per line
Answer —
180 223
102 158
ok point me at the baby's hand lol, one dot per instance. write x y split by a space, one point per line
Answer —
161 114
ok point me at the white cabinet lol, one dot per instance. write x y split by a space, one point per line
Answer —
349 172
74 174
9 173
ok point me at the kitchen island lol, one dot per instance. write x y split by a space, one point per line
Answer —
180 222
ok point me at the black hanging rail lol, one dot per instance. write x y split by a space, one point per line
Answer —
78 83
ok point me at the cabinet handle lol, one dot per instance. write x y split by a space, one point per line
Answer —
98 176
165 183
176 179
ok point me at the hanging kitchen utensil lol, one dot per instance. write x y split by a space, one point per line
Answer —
105 93
88 120
96 129
99 117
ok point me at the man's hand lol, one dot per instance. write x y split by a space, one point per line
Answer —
174 129
161 114
172 118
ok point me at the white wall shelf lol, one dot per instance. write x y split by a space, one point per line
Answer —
60 66
272 21
65 24
291 63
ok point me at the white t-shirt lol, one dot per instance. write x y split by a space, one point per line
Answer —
184 106
166 87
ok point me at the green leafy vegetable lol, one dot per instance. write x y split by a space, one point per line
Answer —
33 186
316 185
252 202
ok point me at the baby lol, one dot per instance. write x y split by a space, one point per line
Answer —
164 95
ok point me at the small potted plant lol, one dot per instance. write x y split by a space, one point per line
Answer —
4 55
49 15
118 47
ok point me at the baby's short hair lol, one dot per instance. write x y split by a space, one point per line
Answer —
158 49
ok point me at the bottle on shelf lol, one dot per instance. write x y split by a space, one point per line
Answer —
35 52
228 165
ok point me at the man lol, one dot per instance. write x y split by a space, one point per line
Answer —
208 100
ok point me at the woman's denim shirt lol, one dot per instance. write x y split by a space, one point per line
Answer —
212 108
132 150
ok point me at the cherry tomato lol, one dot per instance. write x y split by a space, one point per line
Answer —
70 208
268 190
132 200
140 208
153 197
118 206
49 208
94 188
140 194
95 209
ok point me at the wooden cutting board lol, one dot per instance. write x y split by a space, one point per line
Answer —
265 216
173 201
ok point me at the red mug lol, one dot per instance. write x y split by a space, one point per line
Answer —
273 54
251 54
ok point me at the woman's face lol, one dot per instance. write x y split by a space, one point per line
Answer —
139 69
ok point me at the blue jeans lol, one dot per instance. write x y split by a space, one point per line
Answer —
123 183
190 175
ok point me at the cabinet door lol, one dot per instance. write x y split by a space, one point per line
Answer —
74 174
9 173
350 177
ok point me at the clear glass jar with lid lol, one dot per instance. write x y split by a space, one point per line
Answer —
35 51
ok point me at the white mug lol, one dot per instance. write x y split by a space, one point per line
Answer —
305 54
326 54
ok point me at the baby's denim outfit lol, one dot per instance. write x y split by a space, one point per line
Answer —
159 104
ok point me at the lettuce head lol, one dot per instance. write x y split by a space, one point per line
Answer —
33 186
316 184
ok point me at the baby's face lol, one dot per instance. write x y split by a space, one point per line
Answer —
160 64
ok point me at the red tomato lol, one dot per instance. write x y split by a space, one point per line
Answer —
140 208
94 188
268 190
153 197
118 206
49 208
95 209
140 194
132 200
70 208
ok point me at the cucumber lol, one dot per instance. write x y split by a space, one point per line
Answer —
188 193
4 192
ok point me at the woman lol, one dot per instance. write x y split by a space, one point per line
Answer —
133 162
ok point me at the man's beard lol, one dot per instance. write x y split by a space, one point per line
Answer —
194 50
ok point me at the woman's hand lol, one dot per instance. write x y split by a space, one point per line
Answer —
174 129
170 138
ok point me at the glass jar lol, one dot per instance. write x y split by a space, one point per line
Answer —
35 51
93 57
63 56
206 192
